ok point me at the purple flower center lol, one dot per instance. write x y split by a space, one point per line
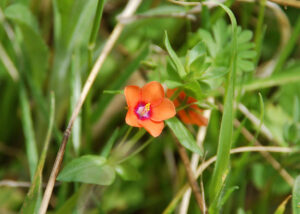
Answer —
143 110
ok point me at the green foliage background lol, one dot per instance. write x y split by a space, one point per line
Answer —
246 54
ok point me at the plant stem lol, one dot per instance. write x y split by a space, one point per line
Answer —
138 150
130 8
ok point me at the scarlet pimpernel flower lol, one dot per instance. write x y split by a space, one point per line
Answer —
148 107
192 114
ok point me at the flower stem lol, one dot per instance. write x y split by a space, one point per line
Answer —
138 150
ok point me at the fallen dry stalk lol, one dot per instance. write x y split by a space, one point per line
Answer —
191 176
130 8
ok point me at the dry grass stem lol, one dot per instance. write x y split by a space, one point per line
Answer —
195 160
190 175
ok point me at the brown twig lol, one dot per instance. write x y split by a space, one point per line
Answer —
190 175
128 11
194 162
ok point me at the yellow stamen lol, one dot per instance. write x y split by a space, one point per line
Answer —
146 109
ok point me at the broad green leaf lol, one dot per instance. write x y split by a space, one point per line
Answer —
119 83
183 135
35 48
281 207
89 169
179 67
296 196
127 172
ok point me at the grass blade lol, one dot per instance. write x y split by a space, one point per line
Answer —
296 196
75 94
226 129
28 130
33 199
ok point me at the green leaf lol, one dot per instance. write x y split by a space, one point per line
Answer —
281 208
88 169
296 196
34 46
127 172
245 65
75 82
20 13
173 84
197 51
209 41
28 130
183 135
33 198
194 88
179 67
226 129
72 26
244 36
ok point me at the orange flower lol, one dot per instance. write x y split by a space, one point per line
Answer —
190 115
148 107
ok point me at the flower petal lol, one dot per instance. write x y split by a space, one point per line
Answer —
132 94
163 111
197 118
131 119
154 128
184 117
153 93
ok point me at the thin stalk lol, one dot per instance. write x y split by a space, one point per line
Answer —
125 136
130 8
138 150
